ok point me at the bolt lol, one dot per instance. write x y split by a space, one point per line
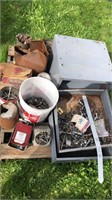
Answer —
77 133
62 141
87 143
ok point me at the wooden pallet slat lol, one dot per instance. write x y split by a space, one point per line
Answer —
8 152
10 56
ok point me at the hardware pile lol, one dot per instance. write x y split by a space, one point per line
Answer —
43 138
37 102
70 136
8 93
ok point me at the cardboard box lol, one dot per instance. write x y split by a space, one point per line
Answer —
35 58
14 74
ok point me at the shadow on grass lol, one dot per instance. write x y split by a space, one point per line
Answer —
14 19
36 179
40 179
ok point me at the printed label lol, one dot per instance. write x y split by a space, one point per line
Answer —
81 123
20 137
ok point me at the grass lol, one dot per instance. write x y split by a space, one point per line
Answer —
43 18
39 178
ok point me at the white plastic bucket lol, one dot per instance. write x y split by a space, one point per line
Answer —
38 87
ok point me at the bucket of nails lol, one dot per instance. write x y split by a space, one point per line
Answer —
37 97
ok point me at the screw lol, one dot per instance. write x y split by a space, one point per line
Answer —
77 133
87 143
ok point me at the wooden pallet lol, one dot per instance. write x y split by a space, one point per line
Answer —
8 152
10 56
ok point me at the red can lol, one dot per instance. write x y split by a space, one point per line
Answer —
21 136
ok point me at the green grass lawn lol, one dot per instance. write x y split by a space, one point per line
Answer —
39 178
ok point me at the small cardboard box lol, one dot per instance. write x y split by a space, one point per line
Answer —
14 74
35 58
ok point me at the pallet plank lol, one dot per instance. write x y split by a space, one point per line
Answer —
8 152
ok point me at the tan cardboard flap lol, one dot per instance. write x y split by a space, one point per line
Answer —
2 65
14 81
11 51
21 78
2 85
13 70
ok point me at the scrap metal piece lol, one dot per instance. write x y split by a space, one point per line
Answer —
60 111
68 142
96 139
9 115
23 38
11 112
100 127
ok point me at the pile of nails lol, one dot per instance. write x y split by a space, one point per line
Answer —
70 136
43 138
8 93
37 102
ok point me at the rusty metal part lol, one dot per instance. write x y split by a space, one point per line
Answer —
9 115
